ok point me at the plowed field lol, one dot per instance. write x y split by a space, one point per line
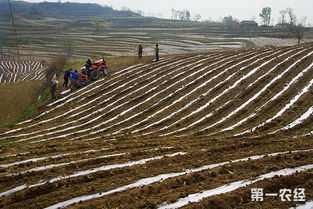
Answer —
14 71
190 131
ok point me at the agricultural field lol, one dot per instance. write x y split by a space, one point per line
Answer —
202 130
50 38
262 41
17 71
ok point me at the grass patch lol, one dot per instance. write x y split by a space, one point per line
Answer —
114 62
16 98
9 143
77 64
30 110
19 100
249 44
307 43
43 97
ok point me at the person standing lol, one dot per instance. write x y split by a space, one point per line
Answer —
74 77
53 87
157 51
88 63
140 51
66 77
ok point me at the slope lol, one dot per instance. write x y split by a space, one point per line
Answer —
194 131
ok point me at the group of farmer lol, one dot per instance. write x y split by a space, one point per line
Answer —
156 49
73 75
69 75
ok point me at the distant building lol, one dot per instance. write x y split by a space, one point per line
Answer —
283 26
233 23
248 24
264 26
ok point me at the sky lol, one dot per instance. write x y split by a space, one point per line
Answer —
212 9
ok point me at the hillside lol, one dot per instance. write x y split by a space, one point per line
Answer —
47 39
49 30
192 131
60 10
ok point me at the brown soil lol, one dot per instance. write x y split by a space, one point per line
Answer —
135 87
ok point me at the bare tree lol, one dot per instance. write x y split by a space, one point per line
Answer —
127 9
197 17
187 15
140 12
266 15
173 13
227 19
298 29
292 16
183 15
283 15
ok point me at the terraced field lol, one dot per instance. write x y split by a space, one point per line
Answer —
262 41
49 38
116 44
16 71
190 131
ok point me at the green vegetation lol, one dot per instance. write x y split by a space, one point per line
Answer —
308 43
74 64
249 44
30 110
97 24
9 143
19 100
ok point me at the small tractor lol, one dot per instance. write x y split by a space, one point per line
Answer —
91 73
97 66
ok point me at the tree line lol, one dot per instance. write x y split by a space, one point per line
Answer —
185 15
295 25
288 21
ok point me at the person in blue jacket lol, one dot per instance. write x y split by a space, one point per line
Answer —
74 77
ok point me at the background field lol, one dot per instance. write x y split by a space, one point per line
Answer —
48 38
